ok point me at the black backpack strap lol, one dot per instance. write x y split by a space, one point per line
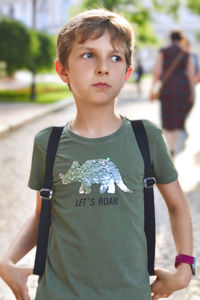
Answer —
149 181
46 194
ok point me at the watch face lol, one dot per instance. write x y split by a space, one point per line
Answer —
193 266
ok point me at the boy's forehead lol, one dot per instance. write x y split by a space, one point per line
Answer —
115 44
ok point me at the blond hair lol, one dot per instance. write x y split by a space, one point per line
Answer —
92 24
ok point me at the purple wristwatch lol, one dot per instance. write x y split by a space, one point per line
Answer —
182 258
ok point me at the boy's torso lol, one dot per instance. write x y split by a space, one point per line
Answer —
97 246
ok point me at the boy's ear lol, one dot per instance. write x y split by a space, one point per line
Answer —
128 74
62 72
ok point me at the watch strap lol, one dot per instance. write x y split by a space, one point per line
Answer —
183 258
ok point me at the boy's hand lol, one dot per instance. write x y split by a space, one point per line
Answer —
168 282
16 278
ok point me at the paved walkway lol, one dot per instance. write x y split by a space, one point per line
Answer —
14 115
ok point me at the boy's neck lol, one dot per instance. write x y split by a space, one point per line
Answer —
96 124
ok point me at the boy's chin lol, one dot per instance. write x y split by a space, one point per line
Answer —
100 100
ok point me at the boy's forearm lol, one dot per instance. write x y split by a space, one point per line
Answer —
24 241
180 217
181 225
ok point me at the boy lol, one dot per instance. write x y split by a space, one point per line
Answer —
98 250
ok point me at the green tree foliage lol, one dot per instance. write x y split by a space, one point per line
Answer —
41 51
108 4
194 6
22 48
14 45
198 36
133 11
170 7
47 51
144 33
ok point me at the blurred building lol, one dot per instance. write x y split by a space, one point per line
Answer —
46 15
187 22
50 15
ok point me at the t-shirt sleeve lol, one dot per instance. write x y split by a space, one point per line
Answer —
36 178
162 165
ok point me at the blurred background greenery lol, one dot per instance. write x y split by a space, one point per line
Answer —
28 31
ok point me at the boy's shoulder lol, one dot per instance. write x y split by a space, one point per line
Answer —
152 130
150 127
42 138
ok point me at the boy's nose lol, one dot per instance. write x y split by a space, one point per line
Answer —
102 68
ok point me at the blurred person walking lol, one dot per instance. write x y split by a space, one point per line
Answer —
139 72
175 68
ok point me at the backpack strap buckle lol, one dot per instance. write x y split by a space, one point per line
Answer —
149 182
46 194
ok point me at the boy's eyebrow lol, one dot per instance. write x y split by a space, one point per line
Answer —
85 48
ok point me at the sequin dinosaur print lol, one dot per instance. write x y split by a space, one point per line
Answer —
95 171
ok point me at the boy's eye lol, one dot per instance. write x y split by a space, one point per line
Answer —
116 58
87 55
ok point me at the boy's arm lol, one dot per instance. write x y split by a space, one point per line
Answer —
181 225
16 276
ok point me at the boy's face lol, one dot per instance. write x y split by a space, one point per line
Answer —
96 70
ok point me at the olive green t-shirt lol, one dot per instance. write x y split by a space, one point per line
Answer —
97 244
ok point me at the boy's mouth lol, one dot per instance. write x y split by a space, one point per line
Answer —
101 85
